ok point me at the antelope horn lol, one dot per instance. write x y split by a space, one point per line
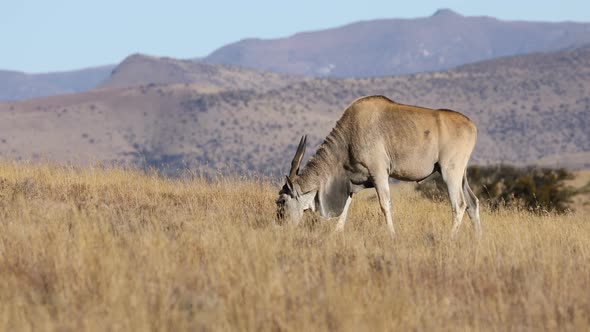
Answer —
298 156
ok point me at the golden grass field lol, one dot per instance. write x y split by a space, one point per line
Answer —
113 249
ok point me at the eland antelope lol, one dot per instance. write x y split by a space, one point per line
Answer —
375 139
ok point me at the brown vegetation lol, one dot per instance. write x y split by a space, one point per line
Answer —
112 249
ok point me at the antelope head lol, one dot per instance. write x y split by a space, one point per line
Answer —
291 202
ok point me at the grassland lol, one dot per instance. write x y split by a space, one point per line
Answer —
113 249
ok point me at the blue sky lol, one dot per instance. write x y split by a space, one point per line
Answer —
50 35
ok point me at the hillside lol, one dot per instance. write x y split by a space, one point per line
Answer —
529 109
400 46
18 85
139 69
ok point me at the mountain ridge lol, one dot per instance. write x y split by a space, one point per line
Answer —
385 47
370 48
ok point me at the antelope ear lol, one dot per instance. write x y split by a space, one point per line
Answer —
333 194
291 187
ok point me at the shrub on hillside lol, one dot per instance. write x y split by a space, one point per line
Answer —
539 190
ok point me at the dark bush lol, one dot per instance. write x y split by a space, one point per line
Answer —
539 190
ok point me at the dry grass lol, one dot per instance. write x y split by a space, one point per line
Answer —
99 249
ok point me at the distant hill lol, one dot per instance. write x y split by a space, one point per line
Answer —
530 109
18 85
400 46
138 69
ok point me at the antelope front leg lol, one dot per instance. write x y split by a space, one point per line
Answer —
382 187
